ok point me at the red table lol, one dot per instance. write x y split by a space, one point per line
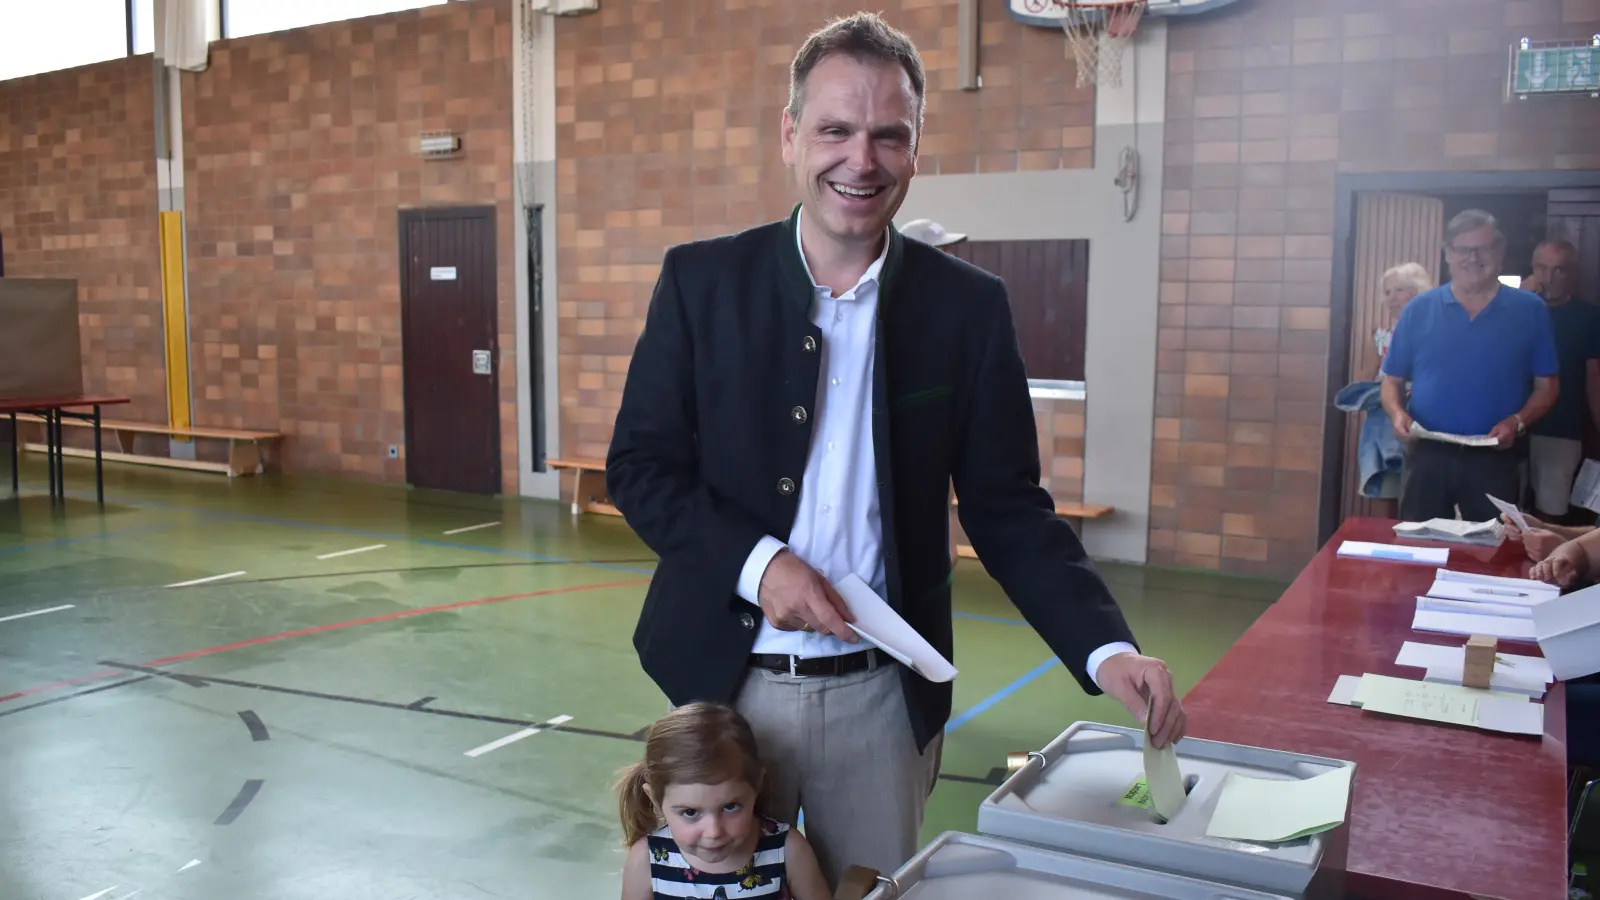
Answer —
1437 811
53 410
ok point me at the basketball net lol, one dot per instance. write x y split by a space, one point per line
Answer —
1099 33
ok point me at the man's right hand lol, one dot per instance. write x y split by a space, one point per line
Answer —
1567 564
796 597
1402 426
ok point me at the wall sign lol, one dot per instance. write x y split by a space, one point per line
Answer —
1546 68
442 273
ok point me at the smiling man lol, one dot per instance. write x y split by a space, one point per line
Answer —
799 403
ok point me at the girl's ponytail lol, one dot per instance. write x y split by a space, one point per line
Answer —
638 812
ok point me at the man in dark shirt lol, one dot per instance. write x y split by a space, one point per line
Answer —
1481 359
1555 446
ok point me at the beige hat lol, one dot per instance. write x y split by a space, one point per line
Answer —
930 232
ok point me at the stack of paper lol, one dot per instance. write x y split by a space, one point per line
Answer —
1451 704
1513 674
1465 440
1433 556
1274 810
1482 534
1568 631
1463 603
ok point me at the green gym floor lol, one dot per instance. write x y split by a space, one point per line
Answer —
316 725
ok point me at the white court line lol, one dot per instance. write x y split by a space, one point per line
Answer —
37 612
102 893
513 738
189 865
351 552
205 580
472 528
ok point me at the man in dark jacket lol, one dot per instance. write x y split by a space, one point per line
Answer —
798 405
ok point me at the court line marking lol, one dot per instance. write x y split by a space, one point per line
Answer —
241 800
97 896
208 579
258 728
994 698
473 527
352 552
189 865
319 629
509 739
37 612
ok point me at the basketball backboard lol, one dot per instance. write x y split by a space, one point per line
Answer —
1049 13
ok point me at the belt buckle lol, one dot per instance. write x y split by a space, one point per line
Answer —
793 672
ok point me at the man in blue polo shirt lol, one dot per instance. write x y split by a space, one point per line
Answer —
1481 360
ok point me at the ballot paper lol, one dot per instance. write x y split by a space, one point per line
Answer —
1161 772
1481 534
1511 512
1476 608
1433 556
1436 656
1504 627
1586 487
1450 704
1464 440
1275 811
1505 684
883 628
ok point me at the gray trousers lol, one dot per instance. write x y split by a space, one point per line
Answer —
840 749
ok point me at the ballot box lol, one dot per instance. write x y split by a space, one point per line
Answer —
1249 816
957 866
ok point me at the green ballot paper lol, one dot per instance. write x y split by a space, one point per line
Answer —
1271 811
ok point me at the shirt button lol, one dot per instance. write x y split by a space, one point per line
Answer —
786 486
836 382
826 508
838 317
798 414
809 344
830 446
748 621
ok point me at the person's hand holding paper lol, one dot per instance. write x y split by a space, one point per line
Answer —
883 627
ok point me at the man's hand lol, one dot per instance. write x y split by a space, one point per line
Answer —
1402 427
796 597
1566 564
1133 679
1505 433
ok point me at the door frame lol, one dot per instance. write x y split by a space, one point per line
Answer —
404 216
1346 187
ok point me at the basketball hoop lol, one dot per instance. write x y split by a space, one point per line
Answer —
1098 32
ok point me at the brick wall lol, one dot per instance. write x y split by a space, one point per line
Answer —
668 127
1267 103
297 148
78 200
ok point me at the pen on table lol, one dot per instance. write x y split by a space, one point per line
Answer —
1498 592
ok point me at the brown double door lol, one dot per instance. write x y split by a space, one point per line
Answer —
449 315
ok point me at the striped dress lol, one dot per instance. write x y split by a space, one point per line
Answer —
672 876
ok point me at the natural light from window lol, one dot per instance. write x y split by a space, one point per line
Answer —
246 17
60 34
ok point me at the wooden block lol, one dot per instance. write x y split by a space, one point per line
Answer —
1478 666
858 882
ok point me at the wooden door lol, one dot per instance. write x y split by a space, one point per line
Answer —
1048 285
449 315
1390 229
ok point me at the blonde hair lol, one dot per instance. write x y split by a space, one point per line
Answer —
1411 275
699 743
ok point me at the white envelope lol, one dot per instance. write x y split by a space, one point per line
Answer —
883 627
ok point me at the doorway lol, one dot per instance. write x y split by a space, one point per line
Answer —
1384 220
450 339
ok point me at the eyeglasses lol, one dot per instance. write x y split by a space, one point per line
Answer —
1483 252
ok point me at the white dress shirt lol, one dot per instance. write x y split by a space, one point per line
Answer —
838 529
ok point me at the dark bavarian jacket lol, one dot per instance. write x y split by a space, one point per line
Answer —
712 435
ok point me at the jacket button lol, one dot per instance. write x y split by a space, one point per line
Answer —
785 486
798 414
809 344
748 621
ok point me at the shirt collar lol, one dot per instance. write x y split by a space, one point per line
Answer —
869 276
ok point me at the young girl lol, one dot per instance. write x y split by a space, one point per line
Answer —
701 775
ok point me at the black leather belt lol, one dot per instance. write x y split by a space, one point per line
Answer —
818 666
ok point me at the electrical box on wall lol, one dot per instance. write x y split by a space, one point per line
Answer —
565 7
438 144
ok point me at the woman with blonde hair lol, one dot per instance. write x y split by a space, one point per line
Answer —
1400 284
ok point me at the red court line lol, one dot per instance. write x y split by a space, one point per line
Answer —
336 626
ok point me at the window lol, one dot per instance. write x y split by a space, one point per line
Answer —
61 34
144 26
247 17
1048 285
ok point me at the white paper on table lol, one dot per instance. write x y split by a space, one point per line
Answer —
1524 584
1586 487
1452 674
1344 690
884 628
1471 592
1469 624
1568 631
1513 716
1428 656
1515 514
1435 556
1476 608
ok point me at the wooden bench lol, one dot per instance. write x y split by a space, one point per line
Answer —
1064 510
594 503
244 447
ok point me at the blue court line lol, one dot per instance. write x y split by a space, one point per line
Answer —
996 619
62 542
335 529
1000 695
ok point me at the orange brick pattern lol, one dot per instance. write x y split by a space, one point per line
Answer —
298 158
78 200
668 122
1267 103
